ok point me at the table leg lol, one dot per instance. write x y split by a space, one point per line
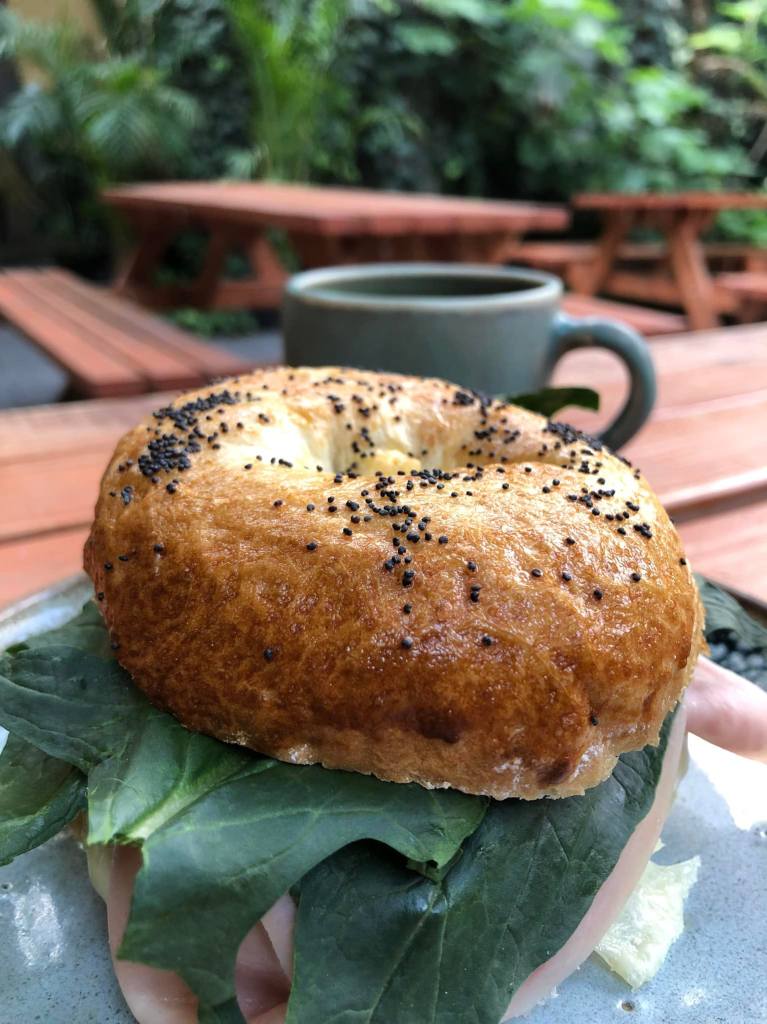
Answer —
212 290
203 289
688 264
137 267
589 279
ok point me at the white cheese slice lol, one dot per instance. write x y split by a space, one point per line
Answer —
638 941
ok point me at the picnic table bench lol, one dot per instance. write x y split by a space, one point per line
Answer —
565 257
749 287
703 451
680 218
107 345
325 226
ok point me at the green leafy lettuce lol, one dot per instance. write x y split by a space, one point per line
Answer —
548 401
39 795
414 906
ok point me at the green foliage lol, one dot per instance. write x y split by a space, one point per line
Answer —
192 42
216 322
538 98
86 123
528 98
290 49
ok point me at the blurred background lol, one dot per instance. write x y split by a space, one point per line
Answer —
530 98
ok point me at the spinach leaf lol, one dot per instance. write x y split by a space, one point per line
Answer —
549 401
725 615
71 703
161 769
38 797
376 943
78 704
219 865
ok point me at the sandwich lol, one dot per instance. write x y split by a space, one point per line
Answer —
377 711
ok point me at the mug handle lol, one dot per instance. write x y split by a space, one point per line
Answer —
569 333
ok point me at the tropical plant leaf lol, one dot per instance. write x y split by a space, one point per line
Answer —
30 113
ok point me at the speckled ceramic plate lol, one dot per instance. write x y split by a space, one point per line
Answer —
55 968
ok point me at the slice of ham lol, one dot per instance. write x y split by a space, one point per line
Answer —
727 710
723 708
609 901
161 997
279 922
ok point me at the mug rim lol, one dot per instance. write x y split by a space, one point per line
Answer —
314 287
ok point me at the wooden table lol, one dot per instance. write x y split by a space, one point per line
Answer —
324 225
703 450
680 218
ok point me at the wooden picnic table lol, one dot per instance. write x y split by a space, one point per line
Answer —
684 278
325 226
703 451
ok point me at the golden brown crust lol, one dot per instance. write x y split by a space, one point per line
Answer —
530 658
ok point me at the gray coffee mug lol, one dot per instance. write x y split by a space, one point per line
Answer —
496 330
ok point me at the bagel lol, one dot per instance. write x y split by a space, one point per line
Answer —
396 576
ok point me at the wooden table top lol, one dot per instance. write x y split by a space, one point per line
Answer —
703 451
670 201
335 211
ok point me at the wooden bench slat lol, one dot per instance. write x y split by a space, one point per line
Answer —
333 210
93 370
697 200
31 564
151 362
646 321
730 369
107 346
684 449
211 361
750 284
